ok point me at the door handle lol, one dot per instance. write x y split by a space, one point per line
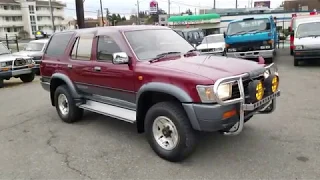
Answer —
70 66
96 68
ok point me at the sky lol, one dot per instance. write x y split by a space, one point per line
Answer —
128 7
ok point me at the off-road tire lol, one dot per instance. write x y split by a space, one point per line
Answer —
1 83
75 113
27 77
187 135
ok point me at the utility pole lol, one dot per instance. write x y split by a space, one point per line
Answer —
236 4
101 13
107 15
169 8
214 4
138 13
52 19
80 13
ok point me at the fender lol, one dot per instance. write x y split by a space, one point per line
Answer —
171 89
69 83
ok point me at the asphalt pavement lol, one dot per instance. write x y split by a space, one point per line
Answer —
36 144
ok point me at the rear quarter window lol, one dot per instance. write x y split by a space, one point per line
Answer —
58 44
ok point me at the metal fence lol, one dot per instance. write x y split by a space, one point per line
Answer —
10 40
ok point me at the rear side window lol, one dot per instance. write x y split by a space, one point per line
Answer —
58 44
82 47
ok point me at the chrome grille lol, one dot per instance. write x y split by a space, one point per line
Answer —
20 62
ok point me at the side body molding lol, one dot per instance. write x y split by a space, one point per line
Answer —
171 89
69 83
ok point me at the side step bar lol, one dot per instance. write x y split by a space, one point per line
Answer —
111 111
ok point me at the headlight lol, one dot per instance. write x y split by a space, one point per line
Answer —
264 47
256 90
5 64
232 50
207 95
30 61
271 84
299 47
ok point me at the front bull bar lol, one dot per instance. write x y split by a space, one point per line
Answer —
267 101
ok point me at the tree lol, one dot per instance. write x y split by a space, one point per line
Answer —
189 12
123 18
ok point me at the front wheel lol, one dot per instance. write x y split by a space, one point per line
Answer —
169 131
27 77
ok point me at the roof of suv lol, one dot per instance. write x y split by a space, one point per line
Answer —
116 29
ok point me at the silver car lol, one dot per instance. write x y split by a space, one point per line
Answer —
34 49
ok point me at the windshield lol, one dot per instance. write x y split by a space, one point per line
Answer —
308 29
213 39
34 47
253 25
4 49
147 44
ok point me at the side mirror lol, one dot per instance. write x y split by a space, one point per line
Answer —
224 34
120 58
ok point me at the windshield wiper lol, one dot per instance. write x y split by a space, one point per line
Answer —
162 55
240 32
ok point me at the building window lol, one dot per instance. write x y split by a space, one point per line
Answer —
5 7
31 9
7 29
34 29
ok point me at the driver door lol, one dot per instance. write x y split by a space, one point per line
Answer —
113 81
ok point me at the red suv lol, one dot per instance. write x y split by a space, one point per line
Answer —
152 77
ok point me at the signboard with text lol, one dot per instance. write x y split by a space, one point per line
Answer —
258 4
153 7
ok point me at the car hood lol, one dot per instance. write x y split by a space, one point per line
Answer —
28 53
211 45
10 57
308 42
212 67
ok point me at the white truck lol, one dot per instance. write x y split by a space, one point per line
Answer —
307 40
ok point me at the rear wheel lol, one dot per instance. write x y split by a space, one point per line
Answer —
169 131
65 105
27 77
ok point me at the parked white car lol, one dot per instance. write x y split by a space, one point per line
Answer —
34 49
307 41
212 44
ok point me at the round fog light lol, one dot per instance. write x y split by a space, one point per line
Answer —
256 90
271 84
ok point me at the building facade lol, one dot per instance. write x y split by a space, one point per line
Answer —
29 16
299 5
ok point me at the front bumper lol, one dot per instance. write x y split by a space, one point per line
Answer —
252 54
211 117
306 54
219 53
15 73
